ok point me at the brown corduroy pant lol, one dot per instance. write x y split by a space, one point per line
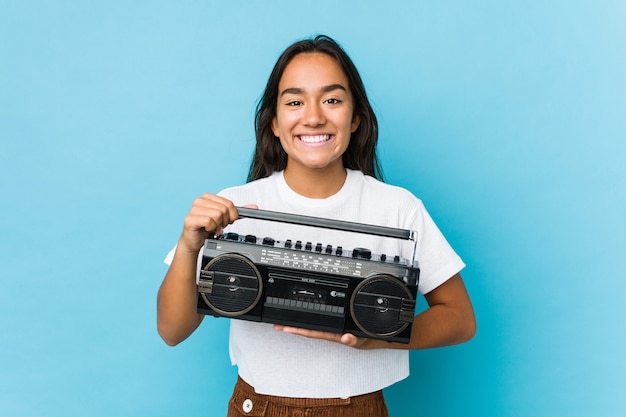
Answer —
246 403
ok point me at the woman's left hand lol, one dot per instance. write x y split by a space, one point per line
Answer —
345 339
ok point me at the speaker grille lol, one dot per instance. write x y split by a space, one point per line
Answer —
379 306
236 286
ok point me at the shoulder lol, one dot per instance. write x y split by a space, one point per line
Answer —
395 204
383 192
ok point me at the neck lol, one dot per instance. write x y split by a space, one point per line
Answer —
315 183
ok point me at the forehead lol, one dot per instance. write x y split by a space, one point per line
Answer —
312 70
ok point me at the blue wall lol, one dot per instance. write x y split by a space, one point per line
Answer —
507 118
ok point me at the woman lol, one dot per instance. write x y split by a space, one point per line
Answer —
316 155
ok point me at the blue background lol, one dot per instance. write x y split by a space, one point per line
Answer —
507 118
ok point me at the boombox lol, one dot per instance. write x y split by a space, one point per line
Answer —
312 286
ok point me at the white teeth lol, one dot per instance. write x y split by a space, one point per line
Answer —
314 139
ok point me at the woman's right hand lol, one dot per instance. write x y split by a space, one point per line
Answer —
209 214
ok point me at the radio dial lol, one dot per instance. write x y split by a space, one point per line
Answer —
361 253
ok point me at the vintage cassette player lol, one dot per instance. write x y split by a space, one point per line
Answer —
310 285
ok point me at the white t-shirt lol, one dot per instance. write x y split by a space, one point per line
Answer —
277 363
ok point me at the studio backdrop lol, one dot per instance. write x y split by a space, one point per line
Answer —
506 118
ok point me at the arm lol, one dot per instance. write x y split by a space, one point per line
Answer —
176 301
449 320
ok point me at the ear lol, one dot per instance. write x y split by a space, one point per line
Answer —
356 121
275 127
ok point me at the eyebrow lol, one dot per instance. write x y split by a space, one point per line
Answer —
325 89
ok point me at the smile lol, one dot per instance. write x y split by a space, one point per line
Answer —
314 138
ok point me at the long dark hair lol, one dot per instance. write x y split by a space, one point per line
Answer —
269 155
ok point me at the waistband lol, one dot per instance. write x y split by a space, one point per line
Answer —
308 402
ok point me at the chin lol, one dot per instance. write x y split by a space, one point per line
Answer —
319 166
316 163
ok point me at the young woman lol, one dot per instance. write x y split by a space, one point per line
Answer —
316 156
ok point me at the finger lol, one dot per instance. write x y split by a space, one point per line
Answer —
202 222
311 334
221 210
347 339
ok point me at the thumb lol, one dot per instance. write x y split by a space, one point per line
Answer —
349 340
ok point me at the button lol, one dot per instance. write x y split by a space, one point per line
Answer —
247 406
361 253
231 236
329 249
288 244
318 248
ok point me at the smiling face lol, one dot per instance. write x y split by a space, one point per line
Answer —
314 113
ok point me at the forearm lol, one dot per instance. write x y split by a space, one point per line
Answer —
176 302
177 317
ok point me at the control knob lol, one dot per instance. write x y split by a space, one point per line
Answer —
361 253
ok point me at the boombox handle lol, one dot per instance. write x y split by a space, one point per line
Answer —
330 224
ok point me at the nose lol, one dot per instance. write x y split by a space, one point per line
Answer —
314 115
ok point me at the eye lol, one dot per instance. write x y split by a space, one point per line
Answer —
294 103
333 101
